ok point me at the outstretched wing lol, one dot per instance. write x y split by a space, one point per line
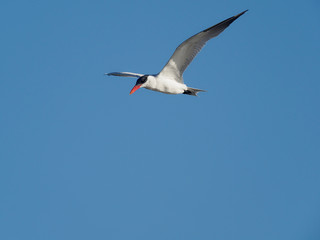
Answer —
124 74
186 51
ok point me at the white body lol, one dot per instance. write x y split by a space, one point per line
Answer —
164 85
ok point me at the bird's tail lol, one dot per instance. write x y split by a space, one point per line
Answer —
193 91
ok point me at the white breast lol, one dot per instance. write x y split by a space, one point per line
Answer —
165 85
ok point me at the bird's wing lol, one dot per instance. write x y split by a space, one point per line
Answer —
186 51
124 74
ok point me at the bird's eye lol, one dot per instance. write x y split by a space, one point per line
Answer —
143 79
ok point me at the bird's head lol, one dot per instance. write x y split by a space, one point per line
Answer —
141 82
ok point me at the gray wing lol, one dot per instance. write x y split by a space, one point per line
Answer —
124 74
186 51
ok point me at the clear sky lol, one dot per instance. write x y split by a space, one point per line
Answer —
83 159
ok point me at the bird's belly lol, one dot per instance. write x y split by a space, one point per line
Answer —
168 87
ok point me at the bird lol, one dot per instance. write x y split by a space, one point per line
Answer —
170 80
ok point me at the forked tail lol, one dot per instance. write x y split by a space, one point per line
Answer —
193 91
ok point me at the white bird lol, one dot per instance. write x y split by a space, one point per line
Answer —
170 80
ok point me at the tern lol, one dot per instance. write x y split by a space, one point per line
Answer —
169 80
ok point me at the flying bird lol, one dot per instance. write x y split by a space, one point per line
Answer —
170 79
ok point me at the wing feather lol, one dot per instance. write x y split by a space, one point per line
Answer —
124 74
186 51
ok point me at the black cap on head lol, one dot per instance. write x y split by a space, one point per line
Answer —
142 79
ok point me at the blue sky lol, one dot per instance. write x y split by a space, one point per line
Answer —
83 159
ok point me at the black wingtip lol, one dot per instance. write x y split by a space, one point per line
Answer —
236 16
224 24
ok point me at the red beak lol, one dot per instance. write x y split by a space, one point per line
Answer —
135 88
